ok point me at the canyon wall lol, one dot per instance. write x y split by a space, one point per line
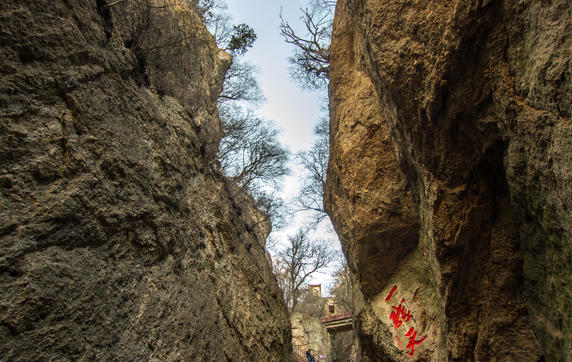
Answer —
308 333
119 237
450 176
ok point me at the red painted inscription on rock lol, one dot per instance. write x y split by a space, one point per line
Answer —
399 315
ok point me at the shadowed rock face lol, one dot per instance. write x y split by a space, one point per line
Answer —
119 238
450 173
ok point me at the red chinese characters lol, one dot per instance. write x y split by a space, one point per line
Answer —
412 342
391 293
400 314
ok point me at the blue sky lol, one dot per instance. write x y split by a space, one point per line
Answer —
293 110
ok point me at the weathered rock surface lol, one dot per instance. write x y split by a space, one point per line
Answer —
308 333
450 176
119 238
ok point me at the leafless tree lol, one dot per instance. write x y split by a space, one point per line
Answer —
315 163
240 85
273 206
300 259
342 288
280 270
220 26
250 152
210 10
311 58
331 4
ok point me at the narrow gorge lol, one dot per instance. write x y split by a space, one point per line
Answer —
449 184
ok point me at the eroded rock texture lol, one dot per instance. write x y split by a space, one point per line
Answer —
309 333
119 238
450 176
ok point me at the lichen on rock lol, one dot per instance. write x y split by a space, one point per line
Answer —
120 239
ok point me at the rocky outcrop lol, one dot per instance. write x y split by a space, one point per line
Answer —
120 240
449 176
308 333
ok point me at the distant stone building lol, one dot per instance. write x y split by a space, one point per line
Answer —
309 333
315 289
331 308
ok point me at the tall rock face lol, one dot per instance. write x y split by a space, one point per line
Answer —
119 238
450 176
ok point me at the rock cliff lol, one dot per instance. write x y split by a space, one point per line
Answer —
120 239
308 333
450 176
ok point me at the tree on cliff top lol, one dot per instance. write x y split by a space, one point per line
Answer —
235 39
300 259
250 153
311 58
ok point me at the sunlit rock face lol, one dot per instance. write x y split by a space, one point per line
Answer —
119 238
450 176
308 333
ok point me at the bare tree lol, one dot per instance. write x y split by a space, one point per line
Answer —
210 10
250 152
342 287
311 58
299 260
220 26
280 270
331 4
273 206
240 85
315 163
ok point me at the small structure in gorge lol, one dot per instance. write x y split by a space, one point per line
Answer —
313 327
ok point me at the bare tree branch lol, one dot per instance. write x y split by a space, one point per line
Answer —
311 58
298 262
240 85
342 290
315 162
249 151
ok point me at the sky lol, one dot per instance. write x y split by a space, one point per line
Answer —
294 111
